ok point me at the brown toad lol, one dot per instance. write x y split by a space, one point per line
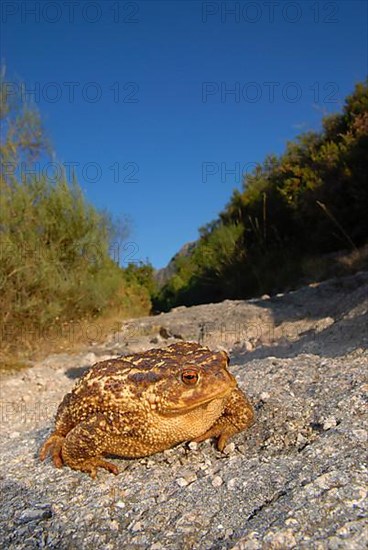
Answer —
144 403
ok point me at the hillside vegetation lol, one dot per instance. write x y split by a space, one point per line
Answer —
55 268
293 213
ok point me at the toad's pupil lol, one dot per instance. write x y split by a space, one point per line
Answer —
190 377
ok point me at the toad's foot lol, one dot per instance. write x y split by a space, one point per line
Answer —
90 466
53 446
213 432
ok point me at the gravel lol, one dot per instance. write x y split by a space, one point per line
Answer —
296 479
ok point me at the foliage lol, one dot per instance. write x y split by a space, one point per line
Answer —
311 200
54 246
198 275
141 274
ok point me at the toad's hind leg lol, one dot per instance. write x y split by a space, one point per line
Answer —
84 445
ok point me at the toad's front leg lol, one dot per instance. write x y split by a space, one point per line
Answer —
237 416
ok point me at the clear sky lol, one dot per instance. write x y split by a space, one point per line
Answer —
163 104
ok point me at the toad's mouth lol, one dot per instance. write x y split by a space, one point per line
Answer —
188 405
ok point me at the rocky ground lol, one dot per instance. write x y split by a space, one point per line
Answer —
296 479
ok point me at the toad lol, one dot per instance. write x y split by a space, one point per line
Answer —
141 404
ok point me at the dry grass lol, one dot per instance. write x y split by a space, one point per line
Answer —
337 264
69 337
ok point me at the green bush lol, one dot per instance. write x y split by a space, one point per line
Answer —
310 201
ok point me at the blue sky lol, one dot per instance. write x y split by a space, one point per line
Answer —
163 104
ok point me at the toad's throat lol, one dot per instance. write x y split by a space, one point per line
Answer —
197 404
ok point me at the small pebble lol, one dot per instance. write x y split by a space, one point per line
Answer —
182 482
120 504
230 448
265 396
35 514
190 477
217 481
291 521
231 484
300 440
329 423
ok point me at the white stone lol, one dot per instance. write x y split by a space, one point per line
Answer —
231 484
120 504
265 395
329 423
182 482
217 481
230 448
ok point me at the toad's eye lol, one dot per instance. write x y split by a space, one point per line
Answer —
190 377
